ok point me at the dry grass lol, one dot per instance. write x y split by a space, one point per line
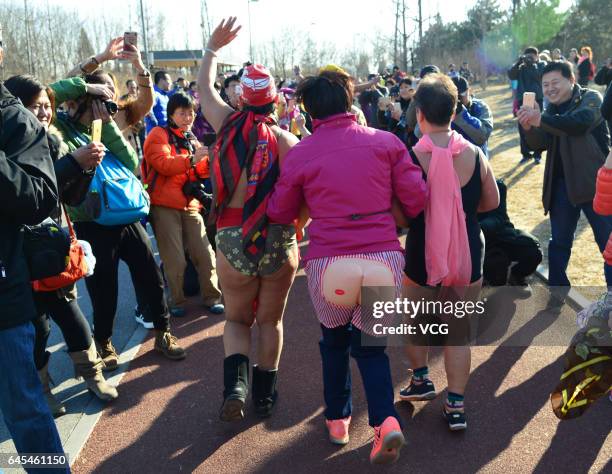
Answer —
525 191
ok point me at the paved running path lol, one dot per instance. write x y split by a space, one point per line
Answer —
166 419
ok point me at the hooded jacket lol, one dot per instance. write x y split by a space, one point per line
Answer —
28 195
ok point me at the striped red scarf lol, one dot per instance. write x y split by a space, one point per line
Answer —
246 141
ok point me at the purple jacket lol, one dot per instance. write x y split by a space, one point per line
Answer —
347 174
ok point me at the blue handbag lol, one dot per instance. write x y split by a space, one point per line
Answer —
115 196
122 197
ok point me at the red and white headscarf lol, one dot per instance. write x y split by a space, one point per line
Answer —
258 86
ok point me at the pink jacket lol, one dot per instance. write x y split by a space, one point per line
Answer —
347 174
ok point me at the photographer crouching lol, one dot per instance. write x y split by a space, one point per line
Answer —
173 167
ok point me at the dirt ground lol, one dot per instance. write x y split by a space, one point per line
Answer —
525 191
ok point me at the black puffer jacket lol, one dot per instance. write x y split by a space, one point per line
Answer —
603 76
497 227
28 195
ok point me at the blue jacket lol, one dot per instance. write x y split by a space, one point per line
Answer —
475 124
158 115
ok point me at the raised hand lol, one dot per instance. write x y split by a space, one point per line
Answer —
134 57
224 34
113 49
300 121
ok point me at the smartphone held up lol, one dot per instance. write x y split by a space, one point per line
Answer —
529 100
130 41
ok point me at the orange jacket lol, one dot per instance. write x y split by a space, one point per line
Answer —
165 170
602 204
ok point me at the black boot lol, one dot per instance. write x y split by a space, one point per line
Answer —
264 391
236 381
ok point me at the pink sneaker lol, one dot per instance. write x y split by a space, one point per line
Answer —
338 430
388 440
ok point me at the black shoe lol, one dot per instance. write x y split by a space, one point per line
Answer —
556 299
537 159
456 419
519 283
236 382
264 391
418 392
525 159
177 312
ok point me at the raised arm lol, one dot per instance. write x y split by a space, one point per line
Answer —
215 110
364 86
89 65
143 104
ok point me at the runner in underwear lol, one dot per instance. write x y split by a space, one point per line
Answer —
256 258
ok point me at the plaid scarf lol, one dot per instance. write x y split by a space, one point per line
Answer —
246 141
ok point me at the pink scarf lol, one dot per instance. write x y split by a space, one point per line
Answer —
447 250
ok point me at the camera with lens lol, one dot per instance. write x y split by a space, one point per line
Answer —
197 190
111 107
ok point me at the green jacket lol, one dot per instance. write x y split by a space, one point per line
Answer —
112 138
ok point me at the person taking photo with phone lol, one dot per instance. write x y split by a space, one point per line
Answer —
576 139
134 107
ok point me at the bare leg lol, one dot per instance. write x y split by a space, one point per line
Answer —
239 293
457 359
273 291
417 355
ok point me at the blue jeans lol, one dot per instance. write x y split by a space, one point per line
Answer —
336 345
563 221
22 402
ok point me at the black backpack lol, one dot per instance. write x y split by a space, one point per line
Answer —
47 249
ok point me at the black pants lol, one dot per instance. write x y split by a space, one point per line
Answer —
70 319
131 244
527 258
500 255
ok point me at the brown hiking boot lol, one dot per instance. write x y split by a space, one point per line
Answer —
108 354
89 365
57 408
168 345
